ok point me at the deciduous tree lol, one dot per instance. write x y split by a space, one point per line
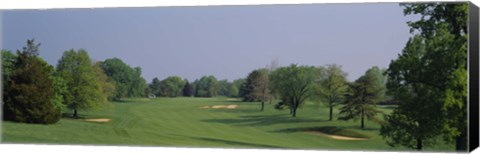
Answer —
441 67
128 81
332 86
206 87
84 91
418 118
294 84
171 86
107 84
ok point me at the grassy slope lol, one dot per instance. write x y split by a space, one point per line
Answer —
182 122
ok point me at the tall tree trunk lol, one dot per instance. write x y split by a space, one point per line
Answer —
75 115
294 112
263 104
419 144
295 105
331 112
363 124
461 141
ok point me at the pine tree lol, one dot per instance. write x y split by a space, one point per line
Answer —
187 89
30 93
360 100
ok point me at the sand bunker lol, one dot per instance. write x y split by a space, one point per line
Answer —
98 120
220 107
337 137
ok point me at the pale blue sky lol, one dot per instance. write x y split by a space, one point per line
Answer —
225 41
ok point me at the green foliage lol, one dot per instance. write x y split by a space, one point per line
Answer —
30 93
332 86
452 15
187 90
128 81
8 66
408 127
60 88
107 84
84 90
171 86
361 98
223 88
206 87
256 86
233 90
31 49
379 82
294 84
155 87
433 66
235 87
138 84
421 74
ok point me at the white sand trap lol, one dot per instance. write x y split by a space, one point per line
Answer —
219 106
337 137
98 120
233 106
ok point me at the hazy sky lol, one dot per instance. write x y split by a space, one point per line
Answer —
225 41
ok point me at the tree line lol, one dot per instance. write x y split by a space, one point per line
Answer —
36 92
206 86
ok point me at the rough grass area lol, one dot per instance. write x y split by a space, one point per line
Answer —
181 122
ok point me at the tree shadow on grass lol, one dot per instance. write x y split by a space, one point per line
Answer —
123 101
262 120
70 116
239 101
238 143
359 128
330 130
237 110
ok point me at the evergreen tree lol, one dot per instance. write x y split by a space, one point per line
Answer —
155 86
361 99
256 87
187 89
31 92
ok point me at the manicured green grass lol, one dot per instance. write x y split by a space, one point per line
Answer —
182 122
